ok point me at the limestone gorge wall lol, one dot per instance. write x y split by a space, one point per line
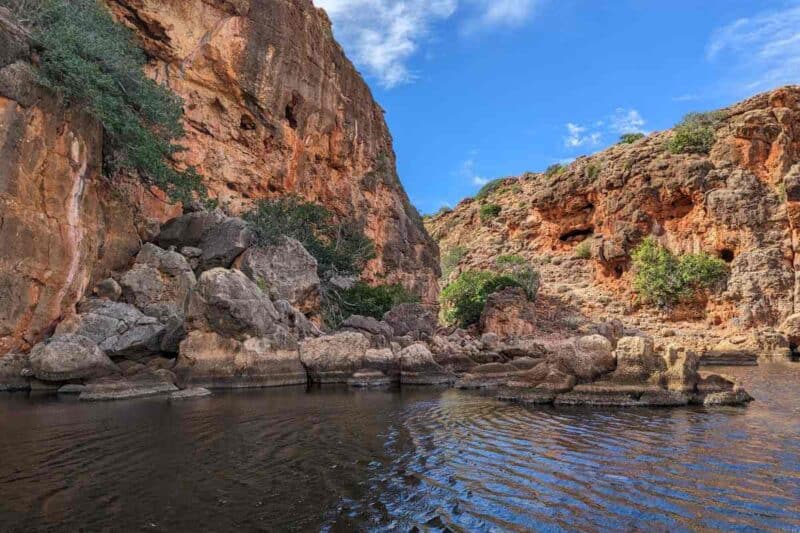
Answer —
272 107
740 202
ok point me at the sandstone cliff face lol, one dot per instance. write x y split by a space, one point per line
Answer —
741 203
274 107
62 225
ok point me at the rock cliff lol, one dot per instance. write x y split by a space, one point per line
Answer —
272 107
740 203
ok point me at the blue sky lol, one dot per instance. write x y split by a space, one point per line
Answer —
478 89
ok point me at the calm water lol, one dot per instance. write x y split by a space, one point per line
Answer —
335 460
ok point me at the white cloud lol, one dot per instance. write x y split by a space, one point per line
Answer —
623 120
381 36
689 97
578 135
468 171
627 121
764 48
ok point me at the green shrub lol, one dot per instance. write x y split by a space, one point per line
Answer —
489 188
554 170
630 138
489 211
450 260
522 271
93 63
662 279
338 248
592 171
443 211
695 133
583 250
366 300
464 299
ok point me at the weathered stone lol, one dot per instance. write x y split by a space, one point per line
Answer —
159 283
681 373
739 397
636 360
108 288
487 376
119 329
413 320
229 303
296 321
379 333
334 358
71 388
285 271
67 357
189 394
12 378
369 379
209 360
222 243
418 367
509 313
385 360
543 377
586 358
141 385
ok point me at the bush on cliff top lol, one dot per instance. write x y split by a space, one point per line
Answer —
662 279
92 62
630 138
463 300
489 188
695 133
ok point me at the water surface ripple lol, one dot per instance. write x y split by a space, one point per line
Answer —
337 460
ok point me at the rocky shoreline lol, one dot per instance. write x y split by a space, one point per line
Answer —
203 308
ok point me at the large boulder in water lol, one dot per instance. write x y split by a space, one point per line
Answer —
12 367
68 357
119 329
418 367
334 358
284 271
208 360
586 358
636 361
231 304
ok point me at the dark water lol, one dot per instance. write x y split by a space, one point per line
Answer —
330 459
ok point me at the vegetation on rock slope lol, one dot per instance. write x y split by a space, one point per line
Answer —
93 63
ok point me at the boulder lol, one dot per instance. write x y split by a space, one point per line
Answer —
12 368
146 383
231 304
487 376
508 313
636 361
159 283
543 377
681 373
296 321
738 397
791 328
384 360
284 271
109 289
586 358
334 358
119 329
413 320
67 357
188 229
418 367
612 329
222 243
379 333
209 360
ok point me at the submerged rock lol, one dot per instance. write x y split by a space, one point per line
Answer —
137 386
188 394
369 379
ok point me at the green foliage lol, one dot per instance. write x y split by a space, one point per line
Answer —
450 260
464 299
365 300
338 248
489 188
630 138
520 270
489 211
592 171
695 133
443 211
583 251
93 63
662 279
554 170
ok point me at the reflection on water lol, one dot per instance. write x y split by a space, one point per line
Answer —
338 460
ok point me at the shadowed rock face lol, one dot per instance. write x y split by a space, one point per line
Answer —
274 107
740 203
